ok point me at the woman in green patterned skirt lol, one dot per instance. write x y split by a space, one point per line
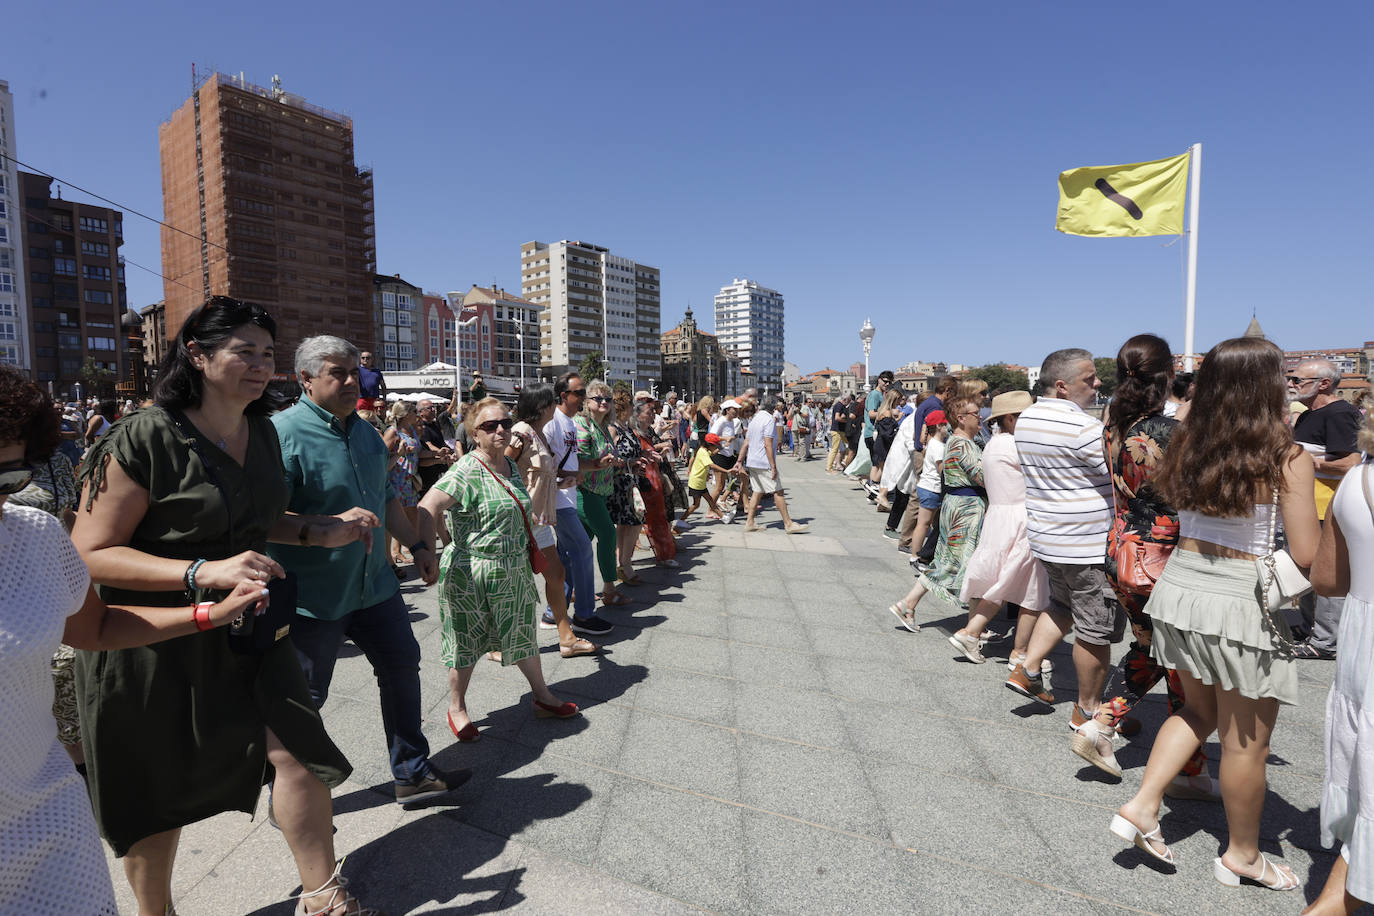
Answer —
487 595
961 513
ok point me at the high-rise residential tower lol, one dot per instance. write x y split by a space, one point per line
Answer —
77 298
594 302
16 346
267 204
749 321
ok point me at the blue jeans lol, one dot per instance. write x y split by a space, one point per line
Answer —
575 553
382 632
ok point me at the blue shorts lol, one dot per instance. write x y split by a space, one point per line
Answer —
928 500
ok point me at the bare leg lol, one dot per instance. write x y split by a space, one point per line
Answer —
458 680
1334 898
781 503
923 520
1091 663
148 868
979 616
1049 631
1178 738
1244 726
301 806
750 508
534 673
1025 625
553 593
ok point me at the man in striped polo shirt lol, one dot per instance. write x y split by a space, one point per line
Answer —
1068 515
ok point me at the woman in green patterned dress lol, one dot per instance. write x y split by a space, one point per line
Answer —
961 514
487 596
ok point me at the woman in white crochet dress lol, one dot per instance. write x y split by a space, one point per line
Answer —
1345 566
50 856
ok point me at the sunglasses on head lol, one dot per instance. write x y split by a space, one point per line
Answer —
492 425
14 477
579 392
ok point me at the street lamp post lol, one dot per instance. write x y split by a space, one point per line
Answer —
520 339
866 335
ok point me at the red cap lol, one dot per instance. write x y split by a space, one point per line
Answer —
364 404
712 439
935 418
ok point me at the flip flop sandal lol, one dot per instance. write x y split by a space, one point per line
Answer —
617 600
1125 830
908 620
1230 878
577 647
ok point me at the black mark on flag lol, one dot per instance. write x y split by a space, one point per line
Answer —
1118 198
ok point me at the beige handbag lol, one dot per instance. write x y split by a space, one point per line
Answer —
1282 579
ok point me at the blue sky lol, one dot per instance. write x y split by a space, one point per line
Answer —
892 161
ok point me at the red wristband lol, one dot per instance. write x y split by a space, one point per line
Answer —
201 612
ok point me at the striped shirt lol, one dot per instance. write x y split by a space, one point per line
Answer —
1068 488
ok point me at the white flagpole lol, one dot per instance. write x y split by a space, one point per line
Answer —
1190 296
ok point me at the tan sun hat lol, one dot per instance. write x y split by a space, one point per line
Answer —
1010 402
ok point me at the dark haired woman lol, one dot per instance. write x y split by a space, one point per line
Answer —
179 503
58 866
629 520
100 423
1227 472
532 455
1136 438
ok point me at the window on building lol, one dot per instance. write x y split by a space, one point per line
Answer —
7 330
62 246
95 272
99 296
100 343
6 282
99 249
388 333
389 350
9 355
93 224
4 235
64 267
38 254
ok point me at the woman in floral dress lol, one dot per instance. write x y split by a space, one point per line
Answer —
487 596
961 514
1136 436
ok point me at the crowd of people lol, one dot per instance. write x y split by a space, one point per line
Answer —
183 573
1189 512
187 580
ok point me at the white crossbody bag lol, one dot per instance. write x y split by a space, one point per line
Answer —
1281 577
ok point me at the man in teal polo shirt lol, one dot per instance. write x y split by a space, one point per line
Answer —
334 458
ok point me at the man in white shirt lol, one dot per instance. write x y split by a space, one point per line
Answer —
1068 515
574 547
761 464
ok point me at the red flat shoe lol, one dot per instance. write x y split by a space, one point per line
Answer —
548 711
469 732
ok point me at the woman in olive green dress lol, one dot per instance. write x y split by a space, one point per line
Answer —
487 597
178 504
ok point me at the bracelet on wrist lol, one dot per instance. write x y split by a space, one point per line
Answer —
201 614
189 577
419 545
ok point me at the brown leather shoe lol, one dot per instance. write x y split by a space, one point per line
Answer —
1032 687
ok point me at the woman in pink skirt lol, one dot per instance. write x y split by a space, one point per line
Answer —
1002 567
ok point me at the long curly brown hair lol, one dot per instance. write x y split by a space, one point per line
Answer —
1230 452
1144 368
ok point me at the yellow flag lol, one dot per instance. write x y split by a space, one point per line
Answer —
1142 198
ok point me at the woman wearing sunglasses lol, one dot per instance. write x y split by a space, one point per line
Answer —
597 460
487 595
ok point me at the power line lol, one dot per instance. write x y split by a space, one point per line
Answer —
36 170
31 215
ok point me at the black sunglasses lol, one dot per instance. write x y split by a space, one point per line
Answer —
492 425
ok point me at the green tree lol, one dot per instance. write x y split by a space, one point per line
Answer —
1106 373
97 381
620 385
591 366
1000 378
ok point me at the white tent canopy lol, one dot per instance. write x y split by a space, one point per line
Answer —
438 367
416 396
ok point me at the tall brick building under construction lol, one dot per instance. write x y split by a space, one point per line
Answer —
271 208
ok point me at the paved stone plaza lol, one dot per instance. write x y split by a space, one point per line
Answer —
762 738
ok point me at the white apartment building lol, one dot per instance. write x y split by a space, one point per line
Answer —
593 301
749 321
15 343
396 311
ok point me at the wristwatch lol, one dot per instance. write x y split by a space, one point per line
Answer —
420 545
